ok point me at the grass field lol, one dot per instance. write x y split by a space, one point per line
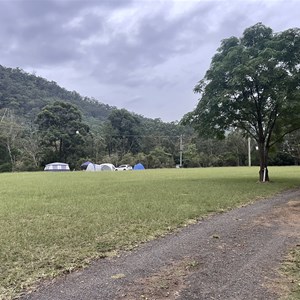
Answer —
52 223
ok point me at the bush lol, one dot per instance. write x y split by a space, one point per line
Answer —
6 167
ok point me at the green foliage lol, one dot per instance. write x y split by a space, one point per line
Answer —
113 133
192 157
62 132
281 159
115 136
5 167
158 158
10 134
253 85
291 146
4 157
203 152
124 130
27 94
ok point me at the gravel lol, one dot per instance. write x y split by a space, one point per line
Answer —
233 255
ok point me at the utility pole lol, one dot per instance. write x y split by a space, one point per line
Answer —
180 152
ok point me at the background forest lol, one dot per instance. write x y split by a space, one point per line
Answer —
41 122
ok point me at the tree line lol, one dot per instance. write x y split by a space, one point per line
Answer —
58 133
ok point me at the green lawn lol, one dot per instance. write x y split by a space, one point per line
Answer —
51 223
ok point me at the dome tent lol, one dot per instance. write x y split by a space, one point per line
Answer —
57 166
93 167
84 165
138 166
107 167
103 167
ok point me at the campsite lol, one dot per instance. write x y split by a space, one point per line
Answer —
183 184
92 167
57 222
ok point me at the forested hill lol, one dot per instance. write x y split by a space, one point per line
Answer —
105 134
26 94
114 135
74 129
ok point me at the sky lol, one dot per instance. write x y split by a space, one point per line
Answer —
142 55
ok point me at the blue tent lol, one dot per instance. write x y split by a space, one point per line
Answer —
139 166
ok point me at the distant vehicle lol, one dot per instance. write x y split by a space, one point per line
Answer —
124 168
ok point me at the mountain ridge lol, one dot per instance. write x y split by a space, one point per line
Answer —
26 94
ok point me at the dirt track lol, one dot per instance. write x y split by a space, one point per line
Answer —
228 256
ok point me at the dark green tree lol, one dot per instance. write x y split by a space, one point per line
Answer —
124 133
158 158
62 133
253 84
291 145
237 149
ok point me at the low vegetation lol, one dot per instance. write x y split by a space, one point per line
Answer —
52 223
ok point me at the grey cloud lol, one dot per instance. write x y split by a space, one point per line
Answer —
40 30
161 53
36 31
157 40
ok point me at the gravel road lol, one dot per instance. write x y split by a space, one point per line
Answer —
233 255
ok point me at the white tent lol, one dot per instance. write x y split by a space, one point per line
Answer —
93 167
57 166
107 167
103 167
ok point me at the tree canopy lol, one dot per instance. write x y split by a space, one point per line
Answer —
252 84
26 94
125 131
62 130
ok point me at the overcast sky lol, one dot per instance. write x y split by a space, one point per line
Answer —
145 55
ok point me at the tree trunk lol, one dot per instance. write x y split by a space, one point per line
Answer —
12 160
264 174
60 149
263 162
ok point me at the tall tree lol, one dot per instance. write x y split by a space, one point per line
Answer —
10 134
62 130
30 146
125 131
253 85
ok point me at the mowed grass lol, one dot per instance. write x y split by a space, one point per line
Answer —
51 223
